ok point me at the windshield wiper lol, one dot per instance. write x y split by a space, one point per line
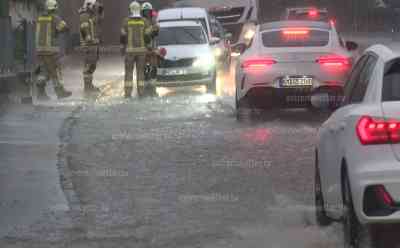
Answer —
192 35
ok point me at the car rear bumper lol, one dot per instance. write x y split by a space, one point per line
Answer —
384 173
268 97
179 81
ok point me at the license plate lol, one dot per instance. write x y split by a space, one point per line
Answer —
296 82
175 72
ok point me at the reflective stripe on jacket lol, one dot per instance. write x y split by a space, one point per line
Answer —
47 29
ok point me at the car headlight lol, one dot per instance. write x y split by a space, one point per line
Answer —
206 62
217 52
249 34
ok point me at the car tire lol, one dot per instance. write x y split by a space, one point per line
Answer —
320 212
212 87
239 108
356 235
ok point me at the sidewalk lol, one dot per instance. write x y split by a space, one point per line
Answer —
29 178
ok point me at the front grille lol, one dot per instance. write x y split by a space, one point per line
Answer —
187 62
229 15
190 77
235 30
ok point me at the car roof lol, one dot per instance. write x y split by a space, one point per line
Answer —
212 3
386 52
305 9
294 24
180 24
181 13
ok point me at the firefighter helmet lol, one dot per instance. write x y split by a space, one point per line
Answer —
51 5
135 9
147 6
89 4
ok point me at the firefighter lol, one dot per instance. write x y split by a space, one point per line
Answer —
152 56
48 28
91 15
134 32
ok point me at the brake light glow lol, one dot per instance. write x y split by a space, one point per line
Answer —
384 196
299 31
334 61
257 64
313 13
372 131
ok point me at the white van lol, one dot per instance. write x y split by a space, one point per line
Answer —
187 14
238 17
220 44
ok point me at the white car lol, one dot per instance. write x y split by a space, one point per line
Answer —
189 60
237 16
289 62
201 15
307 13
358 151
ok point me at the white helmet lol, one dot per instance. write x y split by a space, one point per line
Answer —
51 5
89 4
147 6
135 9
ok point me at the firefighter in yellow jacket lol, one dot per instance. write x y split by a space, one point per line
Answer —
91 15
153 56
134 32
48 28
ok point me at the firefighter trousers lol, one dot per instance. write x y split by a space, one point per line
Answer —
130 62
49 69
91 54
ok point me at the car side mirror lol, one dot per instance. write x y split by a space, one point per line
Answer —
214 40
351 45
239 48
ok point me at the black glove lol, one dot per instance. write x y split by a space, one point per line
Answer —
122 39
100 9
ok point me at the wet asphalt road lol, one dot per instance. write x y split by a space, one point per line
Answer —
179 171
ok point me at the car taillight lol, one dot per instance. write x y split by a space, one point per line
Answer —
334 61
383 195
163 52
372 131
257 64
313 13
296 32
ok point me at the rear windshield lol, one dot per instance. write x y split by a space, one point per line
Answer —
391 83
304 16
296 38
181 36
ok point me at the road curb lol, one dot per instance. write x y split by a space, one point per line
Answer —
65 174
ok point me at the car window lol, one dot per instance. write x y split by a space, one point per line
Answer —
391 83
216 29
296 38
361 85
181 36
305 16
354 76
